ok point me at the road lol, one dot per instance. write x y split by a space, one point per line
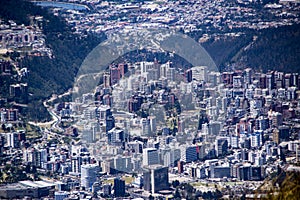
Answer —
54 123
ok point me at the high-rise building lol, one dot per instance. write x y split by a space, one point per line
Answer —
115 136
119 187
188 75
171 74
237 81
156 178
256 138
150 156
200 73
123 68
115 74
146 128
106 190
106 80
122 163
221 146
188 153
105 117
248 75
89 175
145 67
180 166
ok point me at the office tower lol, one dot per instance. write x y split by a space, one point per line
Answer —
146 128
188 75
188 153
106 190
221 146
115 136
156 178
115 74
248 76
150 156
89 175
119 187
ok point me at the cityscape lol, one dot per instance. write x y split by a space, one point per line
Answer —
175 125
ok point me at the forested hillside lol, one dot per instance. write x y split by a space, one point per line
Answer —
273 49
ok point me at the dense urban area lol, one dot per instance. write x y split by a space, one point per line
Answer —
76 126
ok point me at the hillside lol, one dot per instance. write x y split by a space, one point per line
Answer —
273 49
49 75
289 185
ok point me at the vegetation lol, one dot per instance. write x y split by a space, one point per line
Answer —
12 174
224 49
187 191
49 75
276 48
289 186
273 49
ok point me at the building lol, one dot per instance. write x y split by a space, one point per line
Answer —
106 190
105 117
115 136
115 74
106 80
119 187
188 153
199 73
32 189
220 172
188 75
61 195
221 146
89 175
146 128
156 178
150 156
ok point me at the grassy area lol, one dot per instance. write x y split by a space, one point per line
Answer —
32 132
127 179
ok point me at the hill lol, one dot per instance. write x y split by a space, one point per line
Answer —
49 75
268 49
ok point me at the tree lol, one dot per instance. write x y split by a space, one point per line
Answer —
175 183
3 127
177 194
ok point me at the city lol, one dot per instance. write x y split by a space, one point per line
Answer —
149 129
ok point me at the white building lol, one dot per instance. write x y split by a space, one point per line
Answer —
89 175
200 73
